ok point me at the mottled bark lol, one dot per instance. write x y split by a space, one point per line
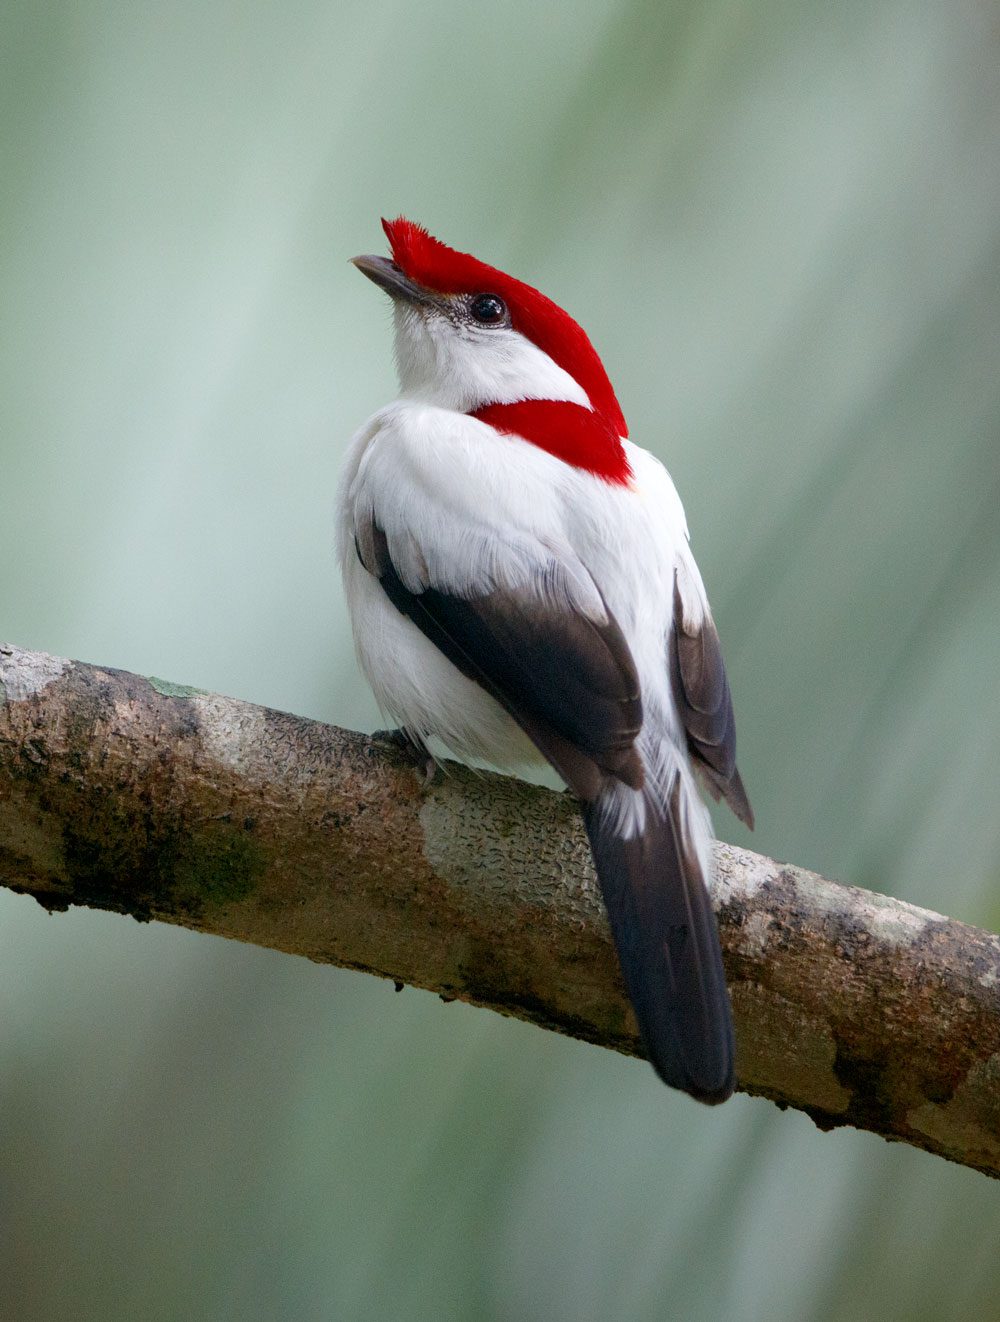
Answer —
159 801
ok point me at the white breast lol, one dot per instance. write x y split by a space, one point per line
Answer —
465 508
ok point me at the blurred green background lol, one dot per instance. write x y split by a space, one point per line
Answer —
780 224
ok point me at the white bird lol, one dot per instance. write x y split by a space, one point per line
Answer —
521 587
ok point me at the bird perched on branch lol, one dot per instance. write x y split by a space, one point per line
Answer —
521 586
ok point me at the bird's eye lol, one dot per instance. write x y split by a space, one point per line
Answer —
488 309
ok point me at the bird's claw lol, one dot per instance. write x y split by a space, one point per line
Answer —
413 750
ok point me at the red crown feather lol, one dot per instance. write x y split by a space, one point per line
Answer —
434 265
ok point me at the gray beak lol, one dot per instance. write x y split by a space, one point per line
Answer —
387 275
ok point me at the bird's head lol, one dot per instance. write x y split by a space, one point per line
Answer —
468 336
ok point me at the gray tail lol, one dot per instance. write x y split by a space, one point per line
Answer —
668 945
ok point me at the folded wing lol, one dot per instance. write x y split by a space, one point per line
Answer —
701 692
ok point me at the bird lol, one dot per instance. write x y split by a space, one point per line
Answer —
521 588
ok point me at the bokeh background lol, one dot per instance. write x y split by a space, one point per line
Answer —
780 223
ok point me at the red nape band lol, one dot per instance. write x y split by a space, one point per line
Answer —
434 265
571 432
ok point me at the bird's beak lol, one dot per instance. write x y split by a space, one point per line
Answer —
387 275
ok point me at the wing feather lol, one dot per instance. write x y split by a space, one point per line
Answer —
701 692
568 679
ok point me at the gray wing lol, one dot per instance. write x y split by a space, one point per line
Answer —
701 691
566 678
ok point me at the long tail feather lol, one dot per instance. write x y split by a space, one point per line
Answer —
668 942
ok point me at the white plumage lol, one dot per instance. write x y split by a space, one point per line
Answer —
466 509
497 590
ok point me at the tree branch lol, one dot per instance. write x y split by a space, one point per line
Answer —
159 801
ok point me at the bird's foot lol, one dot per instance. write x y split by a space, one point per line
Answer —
412 750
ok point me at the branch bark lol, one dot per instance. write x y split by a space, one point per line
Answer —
159 801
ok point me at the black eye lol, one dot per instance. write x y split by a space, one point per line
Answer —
488 308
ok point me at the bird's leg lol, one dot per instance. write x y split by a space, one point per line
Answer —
411 749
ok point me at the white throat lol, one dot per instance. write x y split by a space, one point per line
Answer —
462 368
